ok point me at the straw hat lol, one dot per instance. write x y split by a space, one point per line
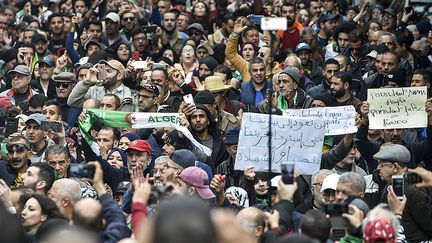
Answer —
215 84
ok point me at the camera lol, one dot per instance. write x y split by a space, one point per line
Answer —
81 171
336 209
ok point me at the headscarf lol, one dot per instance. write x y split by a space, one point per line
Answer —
122 154
240 194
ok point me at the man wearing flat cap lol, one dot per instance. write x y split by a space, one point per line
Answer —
21 90
64 83
393 159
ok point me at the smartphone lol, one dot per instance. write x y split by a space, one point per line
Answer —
412 178
2 117
335 209
274 23
408 9
256 19
101 71
135 56
139 64
81 171
60 52
150 28
159 65
287 170
51 126
188 99
398 186
11 126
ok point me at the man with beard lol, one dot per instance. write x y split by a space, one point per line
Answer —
341 90
147 97
113 36
39 177
317 201
58 37
254 91
64 83
159 166
89 88
220 36
341 40
18 155
175 38
291 36
36 137
65 193
107 138
311 68
328 24
331 66
45 84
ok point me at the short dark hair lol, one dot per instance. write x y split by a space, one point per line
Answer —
165 72
46 173
345 77
357 35
223 69
116 98
331 61
55 15
116 132
344 27
52 102
427 75
37 100
249 28
316 225
258 60
94 22
394 53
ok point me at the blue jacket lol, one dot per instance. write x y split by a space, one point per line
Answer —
116 228
248 92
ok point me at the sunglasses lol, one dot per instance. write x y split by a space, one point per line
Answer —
129 19
16 148
196 33
64 85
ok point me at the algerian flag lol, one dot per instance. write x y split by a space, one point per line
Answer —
121 119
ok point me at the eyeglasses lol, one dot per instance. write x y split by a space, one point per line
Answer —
129 18
64 85
196 33
17 147
17 75
380 165
169 166
143 38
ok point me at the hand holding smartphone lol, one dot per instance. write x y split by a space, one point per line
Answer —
287 170
398 186
101 76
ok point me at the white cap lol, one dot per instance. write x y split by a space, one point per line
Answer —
114 17
330 182
372 54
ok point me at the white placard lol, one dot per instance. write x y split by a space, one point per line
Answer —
393 108
338 120
297 140
274 23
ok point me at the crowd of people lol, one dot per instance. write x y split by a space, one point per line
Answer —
210 62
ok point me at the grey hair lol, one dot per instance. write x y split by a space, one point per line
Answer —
295 58
56 149
394 40
70 189
306 30
320 172
356 179
162 159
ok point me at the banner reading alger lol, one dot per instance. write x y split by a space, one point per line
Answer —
121 119
393 108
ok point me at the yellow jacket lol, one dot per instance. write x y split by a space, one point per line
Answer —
236 59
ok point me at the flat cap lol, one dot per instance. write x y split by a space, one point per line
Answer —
395 153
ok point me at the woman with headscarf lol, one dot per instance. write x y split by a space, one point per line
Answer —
117 157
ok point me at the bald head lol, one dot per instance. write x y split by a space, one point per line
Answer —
252 219
87 214
91 103
65 188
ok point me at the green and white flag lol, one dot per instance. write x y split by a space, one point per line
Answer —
121 119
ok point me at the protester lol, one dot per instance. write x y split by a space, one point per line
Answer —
212 121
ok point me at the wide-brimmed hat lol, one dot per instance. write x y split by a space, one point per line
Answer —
215 84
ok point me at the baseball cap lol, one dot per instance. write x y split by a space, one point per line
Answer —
65 77
47 60
293 72
122 187
327 17
197 26
37 117
113 16
379 230
184 158
148 87
303 46
21 69
395 153
114 64
197 178
330 182
39 37
92 42
140 145
389 11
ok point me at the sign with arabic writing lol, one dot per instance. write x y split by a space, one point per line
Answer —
338 119
297 140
